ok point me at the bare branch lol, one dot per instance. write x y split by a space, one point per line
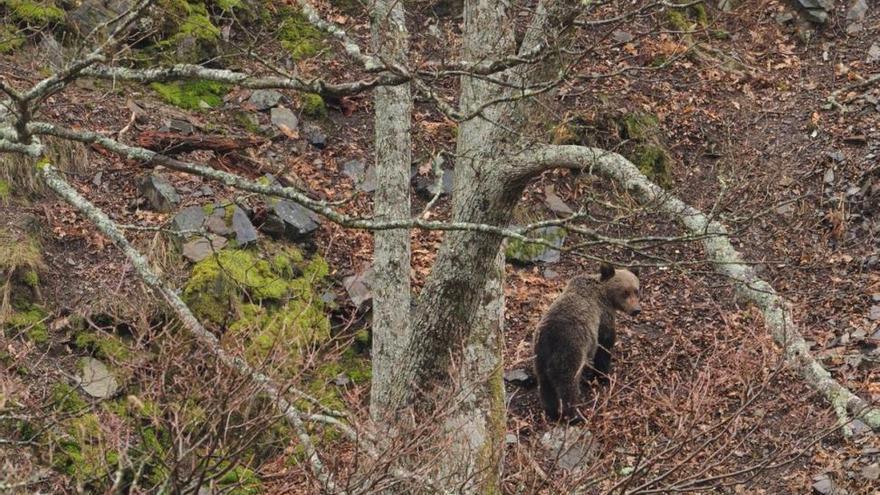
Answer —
187 72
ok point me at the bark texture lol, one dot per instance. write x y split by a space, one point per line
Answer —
391 287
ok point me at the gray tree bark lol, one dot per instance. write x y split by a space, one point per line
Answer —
391 287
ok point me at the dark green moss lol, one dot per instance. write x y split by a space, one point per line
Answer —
653 162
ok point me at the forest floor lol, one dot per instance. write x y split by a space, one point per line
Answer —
751 138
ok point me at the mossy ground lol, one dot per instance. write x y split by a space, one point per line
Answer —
299 36
10 39
192 95
34 13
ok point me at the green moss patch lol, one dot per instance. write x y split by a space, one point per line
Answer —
84 453
192 95
299 36
244 481
10 39
31 321
103 345
272 305
686 19
65 398
313 105
35 13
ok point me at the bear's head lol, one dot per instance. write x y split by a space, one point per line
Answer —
621 288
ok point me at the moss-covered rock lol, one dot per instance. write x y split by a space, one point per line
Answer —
192 95
686 19
187 31
10 39
34 13
313 105
299 36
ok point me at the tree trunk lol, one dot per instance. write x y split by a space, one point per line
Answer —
391 285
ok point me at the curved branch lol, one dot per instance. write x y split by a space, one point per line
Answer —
728 261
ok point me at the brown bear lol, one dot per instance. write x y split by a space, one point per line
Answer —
577 333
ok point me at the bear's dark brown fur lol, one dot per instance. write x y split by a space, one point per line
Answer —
577 333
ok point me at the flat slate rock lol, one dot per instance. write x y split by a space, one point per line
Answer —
287 219
200 248
359 287
189 221
285 120
97 380
571 446
160 194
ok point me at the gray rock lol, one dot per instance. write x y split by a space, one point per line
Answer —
427 187
836 155
93 13
363 177
857 11
98 179
823 485
96 379
551 274
285 120
288 220
622 36
873 53
783 18
160 194
189 221
200 248
52 50
555 203
316 137
179 126
829 176
235 223
519 376
871 472
341 380
511 439
264 99
816 11
359 287
874 312
569 446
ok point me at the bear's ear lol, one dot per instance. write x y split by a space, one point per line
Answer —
606 271
634 270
